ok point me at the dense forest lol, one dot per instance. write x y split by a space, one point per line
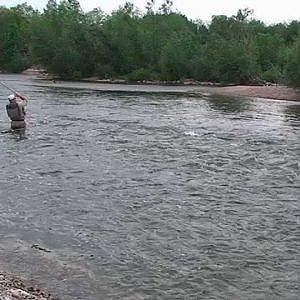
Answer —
157 44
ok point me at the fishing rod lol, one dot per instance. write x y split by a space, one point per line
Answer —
16 93
5 85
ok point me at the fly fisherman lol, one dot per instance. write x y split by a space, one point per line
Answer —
16 111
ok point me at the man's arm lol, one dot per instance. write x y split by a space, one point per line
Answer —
23 98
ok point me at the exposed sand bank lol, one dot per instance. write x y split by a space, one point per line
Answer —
278 92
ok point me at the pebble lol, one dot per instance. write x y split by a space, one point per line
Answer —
14 289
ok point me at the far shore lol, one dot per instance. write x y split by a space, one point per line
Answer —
189 86
274 91
267 90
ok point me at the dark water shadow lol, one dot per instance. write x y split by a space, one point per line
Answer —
292 113
229 104
116 93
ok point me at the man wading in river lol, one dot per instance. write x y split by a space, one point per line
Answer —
16 111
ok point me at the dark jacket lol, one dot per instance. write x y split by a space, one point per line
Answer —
15 111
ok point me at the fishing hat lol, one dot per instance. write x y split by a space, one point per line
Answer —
11 97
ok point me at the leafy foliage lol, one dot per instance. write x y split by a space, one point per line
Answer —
293 65
158 44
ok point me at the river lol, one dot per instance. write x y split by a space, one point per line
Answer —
151 195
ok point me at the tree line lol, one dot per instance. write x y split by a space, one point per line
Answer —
160 44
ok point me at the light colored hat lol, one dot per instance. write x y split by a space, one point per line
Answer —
11 97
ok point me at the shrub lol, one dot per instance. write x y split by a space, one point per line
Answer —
104 71
142 74
272 75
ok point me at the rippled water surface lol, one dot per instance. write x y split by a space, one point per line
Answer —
116 195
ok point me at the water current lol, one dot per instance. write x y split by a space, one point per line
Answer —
135 195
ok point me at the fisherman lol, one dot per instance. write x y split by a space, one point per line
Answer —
16 111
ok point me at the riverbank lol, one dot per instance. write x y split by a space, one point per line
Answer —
270 91
12 288
274 92
266 91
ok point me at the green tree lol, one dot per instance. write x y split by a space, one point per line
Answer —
157 44
149 7
154 32
61 40
176 56
267 48
226 61
243 14
14 24
166 7
122 35
293 65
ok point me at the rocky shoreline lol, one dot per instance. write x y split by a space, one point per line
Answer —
13 288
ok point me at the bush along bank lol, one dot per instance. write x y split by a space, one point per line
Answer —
153 45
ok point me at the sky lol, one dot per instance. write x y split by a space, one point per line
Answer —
268 11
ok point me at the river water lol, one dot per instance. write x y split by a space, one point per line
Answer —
133 195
